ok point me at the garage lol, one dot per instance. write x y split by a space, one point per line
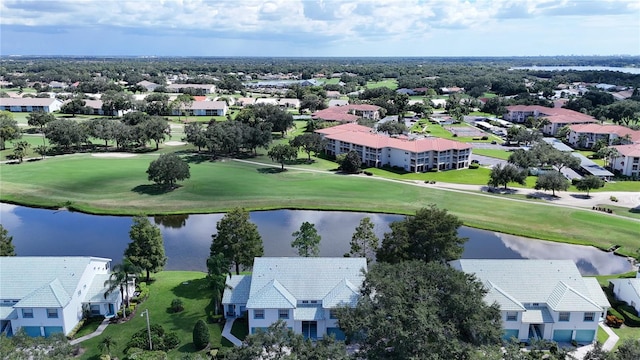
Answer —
50 330
562 335
510 333
33 331
585 336
336 332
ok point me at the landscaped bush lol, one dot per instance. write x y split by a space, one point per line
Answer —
485 138
630 315
614 321
177 305
201 336
143 288
161 340
474 166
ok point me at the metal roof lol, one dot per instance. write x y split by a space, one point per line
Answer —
557 283
280 282
592 168
237 291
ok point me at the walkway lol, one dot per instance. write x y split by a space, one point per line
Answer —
226 332
98 332
608 345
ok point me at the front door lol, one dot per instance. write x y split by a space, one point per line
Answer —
111 310
310 329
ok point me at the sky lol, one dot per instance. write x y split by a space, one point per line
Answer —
319 28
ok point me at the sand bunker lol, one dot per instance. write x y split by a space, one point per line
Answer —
174 143
113 155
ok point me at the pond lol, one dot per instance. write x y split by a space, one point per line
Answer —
40 232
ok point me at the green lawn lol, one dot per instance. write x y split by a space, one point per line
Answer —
389 83
626 333
494 153
440 131
120 186
589 154
167 286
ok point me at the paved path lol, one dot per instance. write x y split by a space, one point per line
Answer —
608 345
98 332
226 332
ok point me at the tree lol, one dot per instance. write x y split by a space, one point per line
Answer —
392 127
107 343
167 169
9 129
65 133
6 243
201 336
629 349
307 240
73 106
114 101
350 162
237 239
523 158
217 271
281 153
146 249
418 310
597 353
430 235
156 129
40 119
20 150
552 180
364 241
120 278
194 134
504 174
280 342
589 182
103 129
41 150
562 159
309 142
608 154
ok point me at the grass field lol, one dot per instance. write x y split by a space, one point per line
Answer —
494 153
120 186
441 132
188 286
389 83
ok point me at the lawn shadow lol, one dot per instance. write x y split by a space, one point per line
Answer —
581 196
198 158
270 170
543 195
192 289
153 189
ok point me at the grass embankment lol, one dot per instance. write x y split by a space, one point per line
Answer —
120 186
494 153
167 286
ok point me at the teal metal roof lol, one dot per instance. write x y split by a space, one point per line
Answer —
279 281
556 282
238 289
95 292
308 313
51 295
42 281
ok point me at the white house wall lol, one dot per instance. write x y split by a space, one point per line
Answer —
625 292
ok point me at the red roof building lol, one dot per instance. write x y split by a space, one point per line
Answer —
348 113
414 155
558 117
586 135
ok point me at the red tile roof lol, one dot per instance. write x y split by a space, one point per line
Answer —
362 135
343 113
555 115
619 130
629 150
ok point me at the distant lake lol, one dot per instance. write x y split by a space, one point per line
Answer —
187 238
629 70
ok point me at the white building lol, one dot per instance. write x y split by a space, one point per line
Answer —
205 108
301 291
628 163
558 117
198 88
546 299
627 290
47 295
414 155
586 135
47 105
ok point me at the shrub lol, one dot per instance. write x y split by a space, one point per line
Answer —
630 315
143 288
161 340
177 305
484 138
474 166
201 335
613 321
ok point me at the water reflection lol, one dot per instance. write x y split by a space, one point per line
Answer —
187 238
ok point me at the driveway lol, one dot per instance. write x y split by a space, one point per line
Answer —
486 160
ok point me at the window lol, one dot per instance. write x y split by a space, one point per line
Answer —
258 314
535 304
512 316
333 314
589 316
564 316
283 314
27 313
52 313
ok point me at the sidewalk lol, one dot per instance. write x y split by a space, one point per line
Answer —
226 332
98 332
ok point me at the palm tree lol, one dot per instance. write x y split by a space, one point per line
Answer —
107 343
119 278
218 269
